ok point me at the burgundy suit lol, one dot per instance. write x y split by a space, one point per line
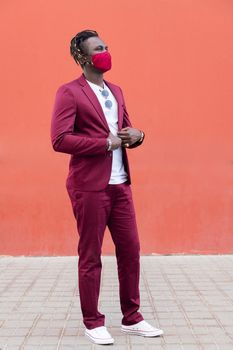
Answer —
80 129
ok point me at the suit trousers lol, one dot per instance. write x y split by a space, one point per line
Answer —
94 211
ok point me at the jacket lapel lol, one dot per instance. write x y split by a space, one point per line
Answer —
94 100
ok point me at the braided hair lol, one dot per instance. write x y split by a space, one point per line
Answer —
76 45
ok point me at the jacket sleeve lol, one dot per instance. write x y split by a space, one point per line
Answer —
63 137
126 122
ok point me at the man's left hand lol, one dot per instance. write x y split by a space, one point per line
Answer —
129 136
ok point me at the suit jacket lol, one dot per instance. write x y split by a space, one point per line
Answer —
79 128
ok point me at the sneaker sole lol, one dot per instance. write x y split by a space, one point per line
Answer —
142 334
98 341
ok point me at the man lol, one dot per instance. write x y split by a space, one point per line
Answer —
91 123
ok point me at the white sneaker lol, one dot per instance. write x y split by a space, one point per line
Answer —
142 328
99 335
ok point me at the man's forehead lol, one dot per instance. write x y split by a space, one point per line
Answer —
94 41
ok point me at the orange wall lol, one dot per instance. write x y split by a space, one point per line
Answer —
173 59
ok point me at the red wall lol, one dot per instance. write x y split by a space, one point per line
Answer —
173 60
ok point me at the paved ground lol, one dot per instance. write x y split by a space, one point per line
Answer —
189 297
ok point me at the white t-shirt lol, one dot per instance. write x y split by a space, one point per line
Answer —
118 174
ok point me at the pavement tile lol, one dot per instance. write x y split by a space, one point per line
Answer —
33 340
188 339
15 341
210 347
172 347
191 347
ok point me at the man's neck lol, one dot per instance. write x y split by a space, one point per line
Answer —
94 78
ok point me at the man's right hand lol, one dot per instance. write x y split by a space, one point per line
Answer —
116 141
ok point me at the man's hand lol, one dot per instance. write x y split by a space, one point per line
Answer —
129 136
116 141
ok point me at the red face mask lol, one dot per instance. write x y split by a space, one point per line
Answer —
102 61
